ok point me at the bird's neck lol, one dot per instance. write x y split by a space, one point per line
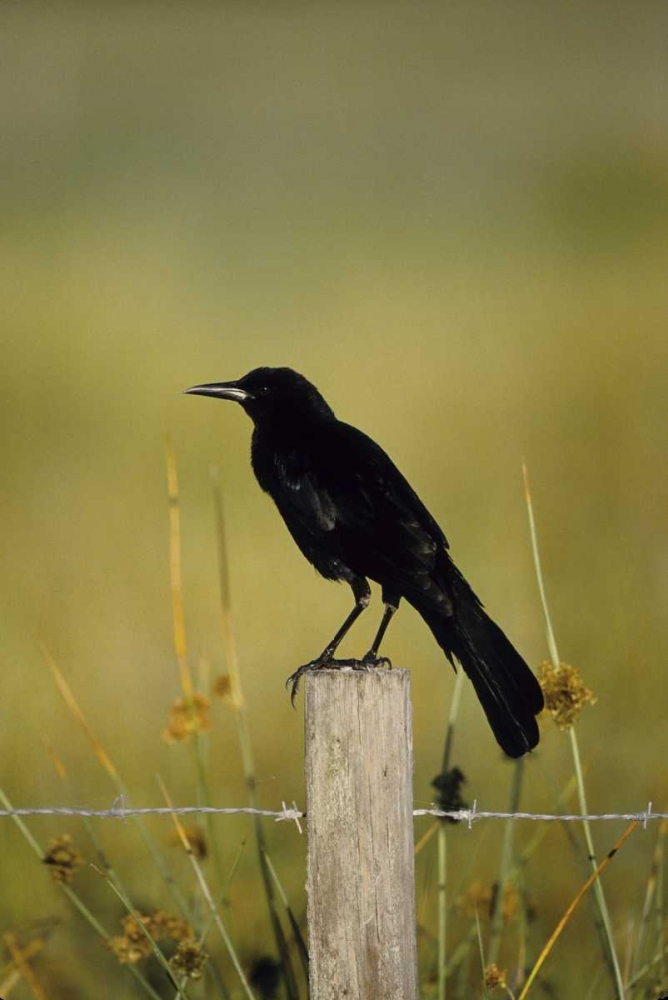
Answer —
290 428
279 442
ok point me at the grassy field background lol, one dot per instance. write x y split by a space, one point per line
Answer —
452 218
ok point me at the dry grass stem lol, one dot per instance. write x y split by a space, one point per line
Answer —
180 646
189 716
573 906
11 974
22 965
71 702
426 837
235 692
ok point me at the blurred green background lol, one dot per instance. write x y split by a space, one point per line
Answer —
452 218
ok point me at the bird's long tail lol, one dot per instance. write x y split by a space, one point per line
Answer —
506 688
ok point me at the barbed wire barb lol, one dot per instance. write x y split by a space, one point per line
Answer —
647 815
118 808
292 814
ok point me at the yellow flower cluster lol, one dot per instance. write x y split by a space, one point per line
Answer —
187 716
564 691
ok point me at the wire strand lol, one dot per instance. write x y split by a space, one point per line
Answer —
119 810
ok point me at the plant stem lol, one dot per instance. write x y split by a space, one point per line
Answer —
641 973
591 854
649 895
611 951
442 908
452 718
660 954
296 930
483 961
181 647
551 642
506 862
442 840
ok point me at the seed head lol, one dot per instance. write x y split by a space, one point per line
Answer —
480 899
187 717
495 978
163 925
189 959
564 691
63 859
129 952
222 687
133 944
196 839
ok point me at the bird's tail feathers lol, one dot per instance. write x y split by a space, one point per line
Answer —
506 688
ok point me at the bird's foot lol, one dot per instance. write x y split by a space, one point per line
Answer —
292 683
324 662
372 659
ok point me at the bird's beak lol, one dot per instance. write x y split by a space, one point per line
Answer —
222 390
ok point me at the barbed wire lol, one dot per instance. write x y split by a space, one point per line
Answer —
119 810
472 815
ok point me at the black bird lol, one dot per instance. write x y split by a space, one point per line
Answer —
353 515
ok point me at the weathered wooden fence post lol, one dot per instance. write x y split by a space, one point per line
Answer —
361 872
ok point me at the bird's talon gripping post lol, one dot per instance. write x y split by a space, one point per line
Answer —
292 683
293 680
373 660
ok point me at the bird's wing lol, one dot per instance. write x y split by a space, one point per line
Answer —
351 498
299 488
399 538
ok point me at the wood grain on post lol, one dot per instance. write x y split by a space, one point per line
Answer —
361 871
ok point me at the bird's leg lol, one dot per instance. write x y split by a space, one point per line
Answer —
372 659
362 594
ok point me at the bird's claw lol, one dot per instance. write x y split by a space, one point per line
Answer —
371 660
368 662
292 683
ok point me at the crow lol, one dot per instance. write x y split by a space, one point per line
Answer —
355 517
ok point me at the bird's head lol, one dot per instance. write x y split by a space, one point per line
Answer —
268 392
